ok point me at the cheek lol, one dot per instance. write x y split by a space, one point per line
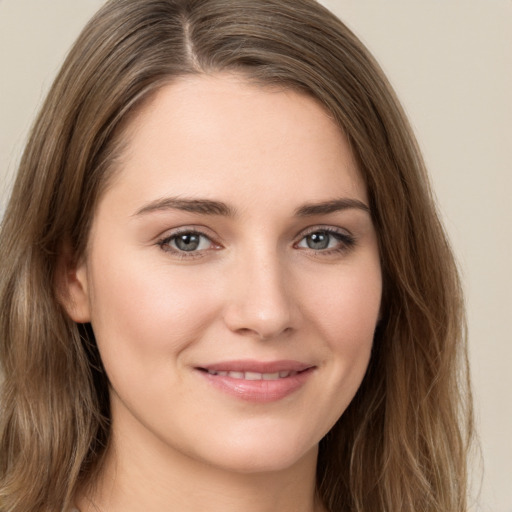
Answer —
345 305
344 308
141 311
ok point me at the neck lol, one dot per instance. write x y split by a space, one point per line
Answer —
156 479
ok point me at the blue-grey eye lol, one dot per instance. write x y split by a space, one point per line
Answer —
189 242
321 240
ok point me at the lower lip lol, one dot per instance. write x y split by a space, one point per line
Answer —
259 391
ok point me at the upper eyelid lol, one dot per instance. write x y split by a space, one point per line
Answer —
327 228
204 230
200 230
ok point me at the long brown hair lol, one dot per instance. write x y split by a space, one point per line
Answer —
403 441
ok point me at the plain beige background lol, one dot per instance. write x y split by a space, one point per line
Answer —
451 64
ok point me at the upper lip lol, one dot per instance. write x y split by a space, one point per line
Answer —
248 365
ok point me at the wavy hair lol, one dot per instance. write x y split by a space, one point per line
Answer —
402 443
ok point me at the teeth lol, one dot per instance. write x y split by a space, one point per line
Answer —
254 375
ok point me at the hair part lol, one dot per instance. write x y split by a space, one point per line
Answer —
403 441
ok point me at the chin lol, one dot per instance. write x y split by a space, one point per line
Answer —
266 457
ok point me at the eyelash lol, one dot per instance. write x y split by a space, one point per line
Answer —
164 243
346 242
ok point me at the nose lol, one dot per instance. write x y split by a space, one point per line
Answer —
261 302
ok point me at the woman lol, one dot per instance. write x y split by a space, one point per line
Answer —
224 283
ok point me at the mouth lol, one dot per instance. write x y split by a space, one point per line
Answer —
253 375
256 381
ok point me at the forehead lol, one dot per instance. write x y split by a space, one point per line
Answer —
220 136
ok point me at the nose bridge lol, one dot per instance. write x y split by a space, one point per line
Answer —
260 301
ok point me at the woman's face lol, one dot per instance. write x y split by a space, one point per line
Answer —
232 277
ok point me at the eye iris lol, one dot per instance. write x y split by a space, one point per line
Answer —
187 241
319 240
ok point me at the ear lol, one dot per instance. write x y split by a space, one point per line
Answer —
71 286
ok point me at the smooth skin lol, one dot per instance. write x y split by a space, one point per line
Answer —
236 228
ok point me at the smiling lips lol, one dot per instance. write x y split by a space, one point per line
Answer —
253 375
256 381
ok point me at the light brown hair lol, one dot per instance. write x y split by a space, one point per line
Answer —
402 443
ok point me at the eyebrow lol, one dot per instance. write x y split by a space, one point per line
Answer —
202 206
210 207
336 205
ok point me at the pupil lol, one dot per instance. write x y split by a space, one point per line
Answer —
318 240
187 242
